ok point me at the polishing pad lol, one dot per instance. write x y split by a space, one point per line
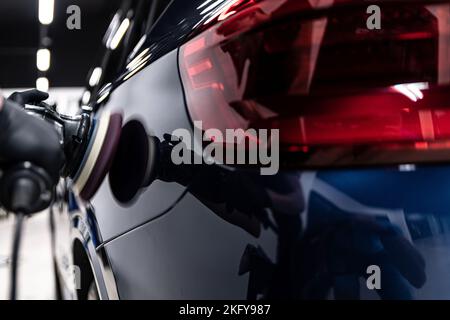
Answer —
103 142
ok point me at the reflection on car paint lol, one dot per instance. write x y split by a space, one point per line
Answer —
328 227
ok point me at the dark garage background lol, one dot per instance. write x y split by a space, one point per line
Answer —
73 51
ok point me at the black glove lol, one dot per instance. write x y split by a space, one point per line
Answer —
32 97
26 138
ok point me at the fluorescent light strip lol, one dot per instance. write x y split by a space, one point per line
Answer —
203 4
119 34
412 90
136 61
213 6
46 8
86 97
219 11
115 22
136 70
42 84
95 76
405 91
43 57
103 97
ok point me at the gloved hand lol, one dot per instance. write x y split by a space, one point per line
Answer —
33 97
24 137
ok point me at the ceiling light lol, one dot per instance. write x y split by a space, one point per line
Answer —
95 77
86 98
43 57
42 84
46 8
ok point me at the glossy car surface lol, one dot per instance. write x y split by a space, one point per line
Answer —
219 232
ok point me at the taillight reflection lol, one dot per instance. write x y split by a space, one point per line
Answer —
321 77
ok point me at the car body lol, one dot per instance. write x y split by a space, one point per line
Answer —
366 192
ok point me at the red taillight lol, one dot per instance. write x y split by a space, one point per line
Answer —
320 76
